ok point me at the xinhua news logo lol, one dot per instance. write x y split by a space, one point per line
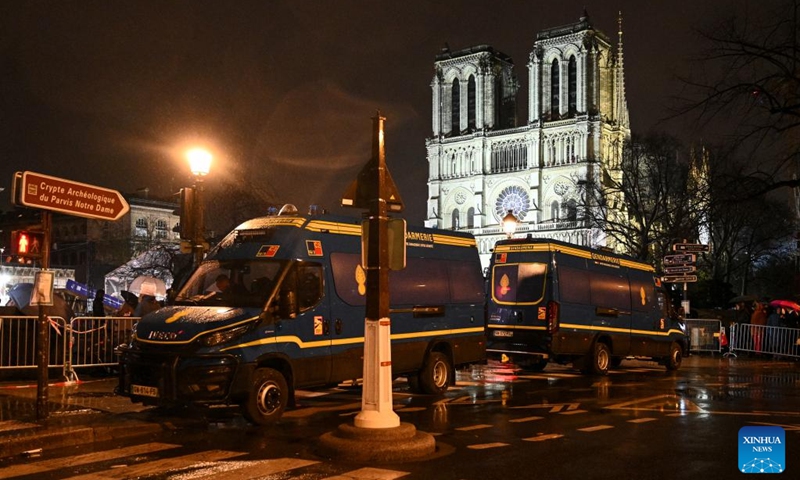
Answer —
762 450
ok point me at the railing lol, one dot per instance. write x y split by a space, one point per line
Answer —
84 342
705 335
766 340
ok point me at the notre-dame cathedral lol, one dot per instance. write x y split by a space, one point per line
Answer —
484 162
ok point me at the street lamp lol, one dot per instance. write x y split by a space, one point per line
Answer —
510 224
200 165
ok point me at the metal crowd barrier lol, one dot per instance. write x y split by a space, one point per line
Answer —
705 335
763 339
84 342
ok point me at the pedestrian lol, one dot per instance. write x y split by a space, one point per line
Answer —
147 300
97 305
128 306
758 322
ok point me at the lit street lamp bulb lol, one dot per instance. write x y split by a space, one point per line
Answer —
199 161
510 224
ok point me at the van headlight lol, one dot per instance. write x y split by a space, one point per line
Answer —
223 336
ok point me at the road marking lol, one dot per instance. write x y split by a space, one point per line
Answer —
239 470
484 446
642 420
554 407
77 460
369 473
200 459
549 376
572 412
540 438
308 411
526 419
595 428
474 427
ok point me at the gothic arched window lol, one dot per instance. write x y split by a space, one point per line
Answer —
572 85
554 213
456 221
141 227
455 112
555 87
471 103
471 217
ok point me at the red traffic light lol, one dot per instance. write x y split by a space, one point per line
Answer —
27 243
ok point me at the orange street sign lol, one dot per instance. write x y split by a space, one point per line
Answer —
37 190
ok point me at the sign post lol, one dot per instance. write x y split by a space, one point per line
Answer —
48 193
679 266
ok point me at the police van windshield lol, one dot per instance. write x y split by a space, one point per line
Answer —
231 283
522 283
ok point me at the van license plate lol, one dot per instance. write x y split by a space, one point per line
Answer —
503 333
144 391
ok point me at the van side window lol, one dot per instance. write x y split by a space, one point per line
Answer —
300 290
574 285
611 291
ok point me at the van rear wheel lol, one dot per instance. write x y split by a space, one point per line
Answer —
673 362
434 377
268 397
599 360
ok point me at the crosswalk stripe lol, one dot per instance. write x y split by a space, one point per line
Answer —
247 469
642 420
526 419
484 446
59 463
473 427
595 428
369 473
540 438
158 466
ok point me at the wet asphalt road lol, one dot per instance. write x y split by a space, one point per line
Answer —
640 421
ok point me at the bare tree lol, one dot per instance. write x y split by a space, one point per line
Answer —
749 81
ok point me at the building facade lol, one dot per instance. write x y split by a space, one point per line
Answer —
484 163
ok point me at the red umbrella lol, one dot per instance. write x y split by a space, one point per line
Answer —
785 304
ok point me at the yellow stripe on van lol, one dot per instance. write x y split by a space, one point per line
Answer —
454 241
516 327
334 227
184 342
621 330
349 341
575 252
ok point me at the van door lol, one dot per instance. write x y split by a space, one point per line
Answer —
646 315
303 328
347 299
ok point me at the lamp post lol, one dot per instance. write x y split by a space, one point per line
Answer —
510 224
200 165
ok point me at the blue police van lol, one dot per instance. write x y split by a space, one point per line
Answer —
279 305
553 301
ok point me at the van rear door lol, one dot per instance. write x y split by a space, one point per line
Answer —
519 294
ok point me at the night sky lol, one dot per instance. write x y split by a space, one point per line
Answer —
282 92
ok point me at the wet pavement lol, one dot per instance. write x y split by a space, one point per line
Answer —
87 411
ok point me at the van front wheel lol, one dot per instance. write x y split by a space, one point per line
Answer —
434 377
268 397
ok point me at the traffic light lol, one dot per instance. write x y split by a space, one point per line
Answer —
27 243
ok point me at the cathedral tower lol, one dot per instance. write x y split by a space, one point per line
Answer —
483 164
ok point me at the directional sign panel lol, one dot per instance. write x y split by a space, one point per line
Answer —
679 278
680 259
689 247
73 198
680 269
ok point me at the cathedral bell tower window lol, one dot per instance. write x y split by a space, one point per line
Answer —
455 114
555 90
471 103
572 81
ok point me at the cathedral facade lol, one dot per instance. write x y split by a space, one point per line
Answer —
483 162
